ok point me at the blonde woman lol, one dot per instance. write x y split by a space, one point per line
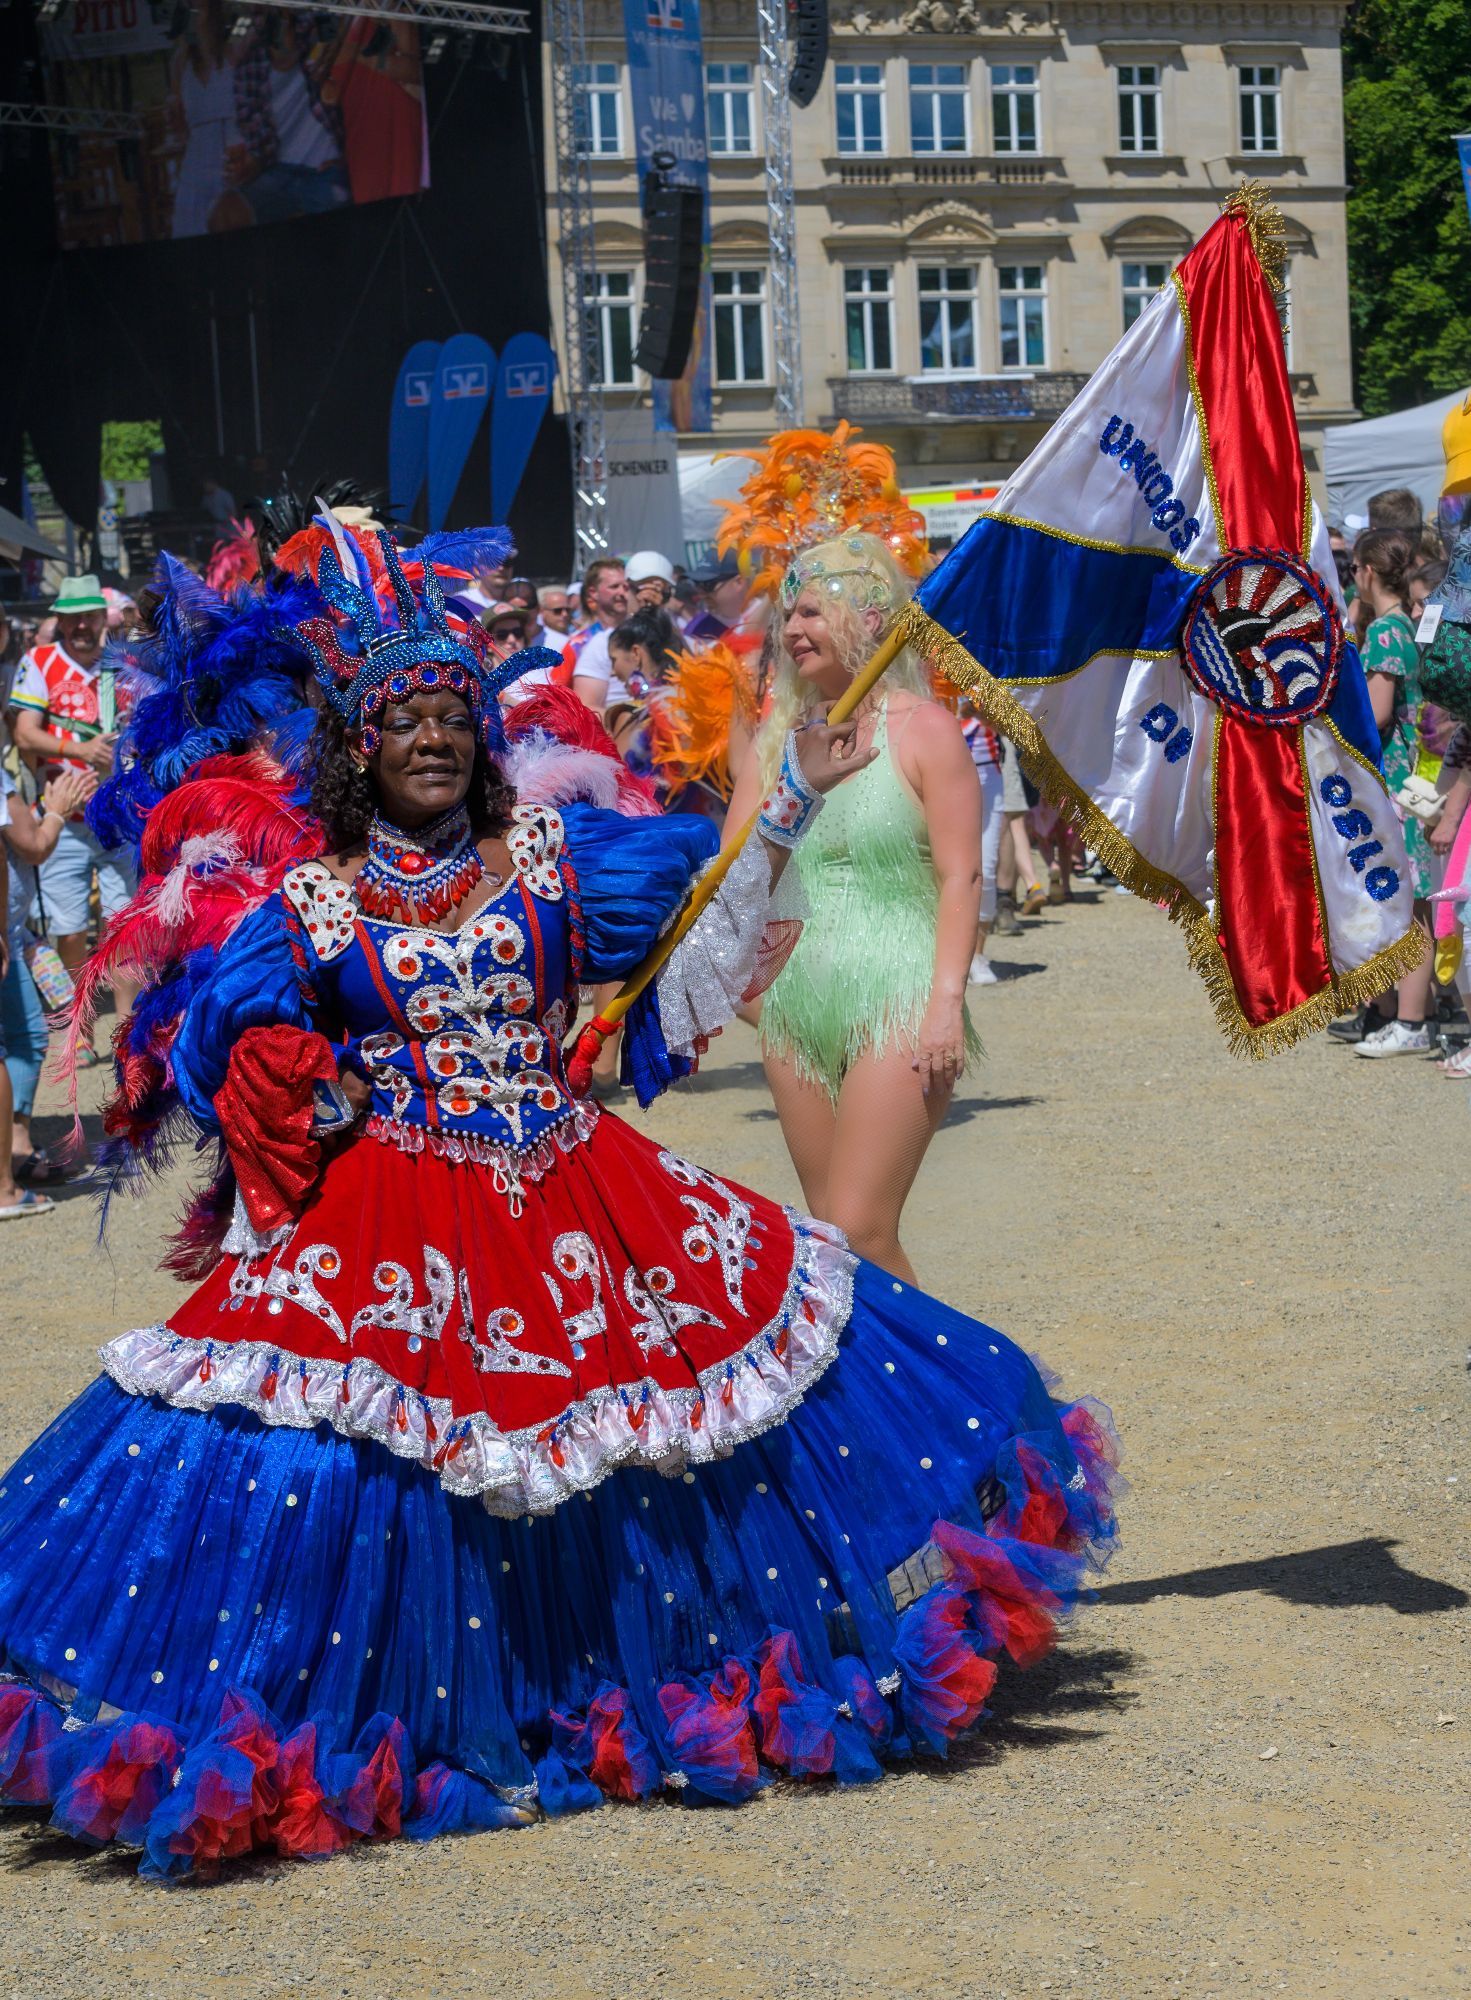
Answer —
864 1032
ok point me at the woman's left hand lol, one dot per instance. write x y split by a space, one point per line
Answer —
359 1095
940 1058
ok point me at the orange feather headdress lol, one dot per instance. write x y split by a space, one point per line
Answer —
812 486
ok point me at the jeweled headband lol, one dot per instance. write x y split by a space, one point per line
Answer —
819 567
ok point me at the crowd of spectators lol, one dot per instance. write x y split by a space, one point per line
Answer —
614 636
62 707
1390 565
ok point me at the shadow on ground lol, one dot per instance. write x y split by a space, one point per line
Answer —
960 1113
1339 1576
1061 1700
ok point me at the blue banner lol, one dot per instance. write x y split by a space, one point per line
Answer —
408 428
457 408
523 390
1463 151
666 74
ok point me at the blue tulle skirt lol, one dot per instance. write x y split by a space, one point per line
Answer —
219 1635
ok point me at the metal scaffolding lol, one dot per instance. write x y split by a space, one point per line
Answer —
582 372
474 17
71 118
781 220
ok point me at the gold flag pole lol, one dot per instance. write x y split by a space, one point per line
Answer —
590 1041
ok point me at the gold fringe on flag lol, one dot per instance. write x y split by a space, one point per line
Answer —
1252 204
1119 855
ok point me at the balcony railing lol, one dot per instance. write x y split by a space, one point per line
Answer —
948 170
998 398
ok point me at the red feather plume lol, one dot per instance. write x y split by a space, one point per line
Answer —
559 713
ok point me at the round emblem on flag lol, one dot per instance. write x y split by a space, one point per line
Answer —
1263 638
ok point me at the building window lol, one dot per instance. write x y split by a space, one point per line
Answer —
740 325
1015 125
868 305
599 112
1023 299
610 308
947 318
1141 282
1261 108
939 108
860 90
730 99
1139 105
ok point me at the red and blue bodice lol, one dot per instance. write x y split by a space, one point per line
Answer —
460 1032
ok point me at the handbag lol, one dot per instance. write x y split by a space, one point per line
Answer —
53 982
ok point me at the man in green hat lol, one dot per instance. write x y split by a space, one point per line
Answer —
63 716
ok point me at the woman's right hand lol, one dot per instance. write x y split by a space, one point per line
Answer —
828 755
1442 834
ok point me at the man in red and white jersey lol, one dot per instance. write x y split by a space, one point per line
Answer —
64 713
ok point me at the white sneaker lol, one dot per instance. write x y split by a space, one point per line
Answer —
1395 1039
982 972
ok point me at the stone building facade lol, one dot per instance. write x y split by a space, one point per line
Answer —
985 195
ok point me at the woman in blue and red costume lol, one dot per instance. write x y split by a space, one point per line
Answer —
505 1462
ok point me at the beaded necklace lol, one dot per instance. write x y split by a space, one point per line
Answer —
418 877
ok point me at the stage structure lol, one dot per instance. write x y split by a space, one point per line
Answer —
474 17
781 220
65 118
582 375
268 352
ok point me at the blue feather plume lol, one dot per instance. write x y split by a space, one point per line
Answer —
212 676
465 548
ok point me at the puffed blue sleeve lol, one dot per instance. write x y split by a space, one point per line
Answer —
632 875
260 979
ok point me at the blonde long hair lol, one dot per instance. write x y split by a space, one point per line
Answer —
855 574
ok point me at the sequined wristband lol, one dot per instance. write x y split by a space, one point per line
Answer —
331 1111
792 806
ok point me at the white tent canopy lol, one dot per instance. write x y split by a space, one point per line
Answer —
1360 460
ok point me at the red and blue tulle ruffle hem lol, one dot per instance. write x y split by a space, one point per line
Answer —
221 1637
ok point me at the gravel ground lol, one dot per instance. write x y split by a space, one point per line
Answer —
1244 1772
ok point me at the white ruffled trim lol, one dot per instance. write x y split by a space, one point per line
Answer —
528 1471
243 1239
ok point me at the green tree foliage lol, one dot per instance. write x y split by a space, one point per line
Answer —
125 449
1407 91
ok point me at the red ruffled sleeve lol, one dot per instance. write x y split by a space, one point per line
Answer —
266 1111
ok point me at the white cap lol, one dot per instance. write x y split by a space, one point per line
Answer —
648 562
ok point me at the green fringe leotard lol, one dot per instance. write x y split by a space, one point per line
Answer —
861 974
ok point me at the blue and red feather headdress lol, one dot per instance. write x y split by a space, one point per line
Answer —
384 630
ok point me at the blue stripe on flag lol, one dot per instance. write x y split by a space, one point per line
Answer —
1350 710
1028 606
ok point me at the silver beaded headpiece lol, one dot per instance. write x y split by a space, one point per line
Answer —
826 568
